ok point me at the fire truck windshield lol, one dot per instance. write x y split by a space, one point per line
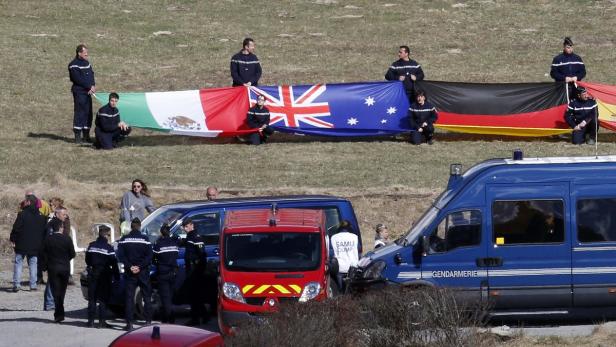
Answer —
267 252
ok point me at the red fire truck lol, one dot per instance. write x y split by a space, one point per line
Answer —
267 257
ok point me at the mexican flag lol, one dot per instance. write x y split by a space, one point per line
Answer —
208 112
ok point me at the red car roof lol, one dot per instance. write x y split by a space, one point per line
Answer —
170 336
260 218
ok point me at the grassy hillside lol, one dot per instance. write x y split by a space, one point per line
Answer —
166 45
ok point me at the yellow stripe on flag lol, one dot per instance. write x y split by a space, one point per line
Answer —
296 288
247 288
607 112
508 131
282 289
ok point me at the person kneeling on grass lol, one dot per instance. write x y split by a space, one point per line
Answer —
109 127
258 117
422 116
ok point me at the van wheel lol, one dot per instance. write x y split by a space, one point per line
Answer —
332 289
139 306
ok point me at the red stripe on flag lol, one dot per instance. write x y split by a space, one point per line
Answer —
225 110
552 118
603 92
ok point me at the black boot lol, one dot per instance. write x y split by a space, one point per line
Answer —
78 136
90 323
86 135
103 324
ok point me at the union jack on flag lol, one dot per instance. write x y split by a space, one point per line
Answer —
292 105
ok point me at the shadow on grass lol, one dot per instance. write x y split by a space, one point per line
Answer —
157 140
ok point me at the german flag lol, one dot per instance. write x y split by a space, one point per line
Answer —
605 95
512 109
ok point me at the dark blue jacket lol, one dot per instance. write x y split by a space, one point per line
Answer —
405 68
135 249
245 68
418 114
166 254
28 231
195 249
567 65
107 119
100 255
579 111
82 75
258 117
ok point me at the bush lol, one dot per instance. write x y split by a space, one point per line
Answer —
396 316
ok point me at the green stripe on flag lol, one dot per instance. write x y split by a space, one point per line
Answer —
134 110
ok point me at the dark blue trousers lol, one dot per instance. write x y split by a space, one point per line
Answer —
141 280
166 283
82 119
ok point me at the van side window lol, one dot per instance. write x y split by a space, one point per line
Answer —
206 225
458 229
332 219
527 221
596 220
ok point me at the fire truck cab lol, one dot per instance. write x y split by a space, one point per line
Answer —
267 257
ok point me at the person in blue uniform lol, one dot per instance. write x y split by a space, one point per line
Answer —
245 66
422 115
102 267
81 75
165 259
568 67
258 117
581 115
406 70
109 127
135 252
194 260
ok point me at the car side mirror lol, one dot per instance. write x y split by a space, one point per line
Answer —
425 245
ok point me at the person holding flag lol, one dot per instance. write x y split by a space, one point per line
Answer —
581 115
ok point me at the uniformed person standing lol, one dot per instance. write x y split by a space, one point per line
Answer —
135 252
258 117
58 250
406 70
194 258
165 259
245 66
82 75
102 266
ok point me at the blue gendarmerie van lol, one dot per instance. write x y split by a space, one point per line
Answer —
208 217
533 237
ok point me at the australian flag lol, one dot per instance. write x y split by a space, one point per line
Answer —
345 109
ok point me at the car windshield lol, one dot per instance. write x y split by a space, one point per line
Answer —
151 225
420 225
279 251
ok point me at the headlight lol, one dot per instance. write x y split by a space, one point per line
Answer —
311 290
121 267
233 292
374 270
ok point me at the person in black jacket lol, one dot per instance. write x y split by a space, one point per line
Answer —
258 117
581 115
109 127
406 70
422 116
27 239
58 251
245 66
102 267
194 260
82 75
135 252
165 259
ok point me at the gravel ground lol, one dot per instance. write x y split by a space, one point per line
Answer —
24 323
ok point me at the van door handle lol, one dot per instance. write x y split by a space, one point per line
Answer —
489 262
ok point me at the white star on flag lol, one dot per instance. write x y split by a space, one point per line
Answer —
391 110
383 121
352 121
369 101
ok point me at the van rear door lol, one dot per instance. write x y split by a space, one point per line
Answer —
529 259
594 251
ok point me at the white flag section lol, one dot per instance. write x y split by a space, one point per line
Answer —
181 112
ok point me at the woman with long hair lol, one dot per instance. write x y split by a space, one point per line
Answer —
136 202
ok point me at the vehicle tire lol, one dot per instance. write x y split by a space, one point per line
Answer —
332 288
139 307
